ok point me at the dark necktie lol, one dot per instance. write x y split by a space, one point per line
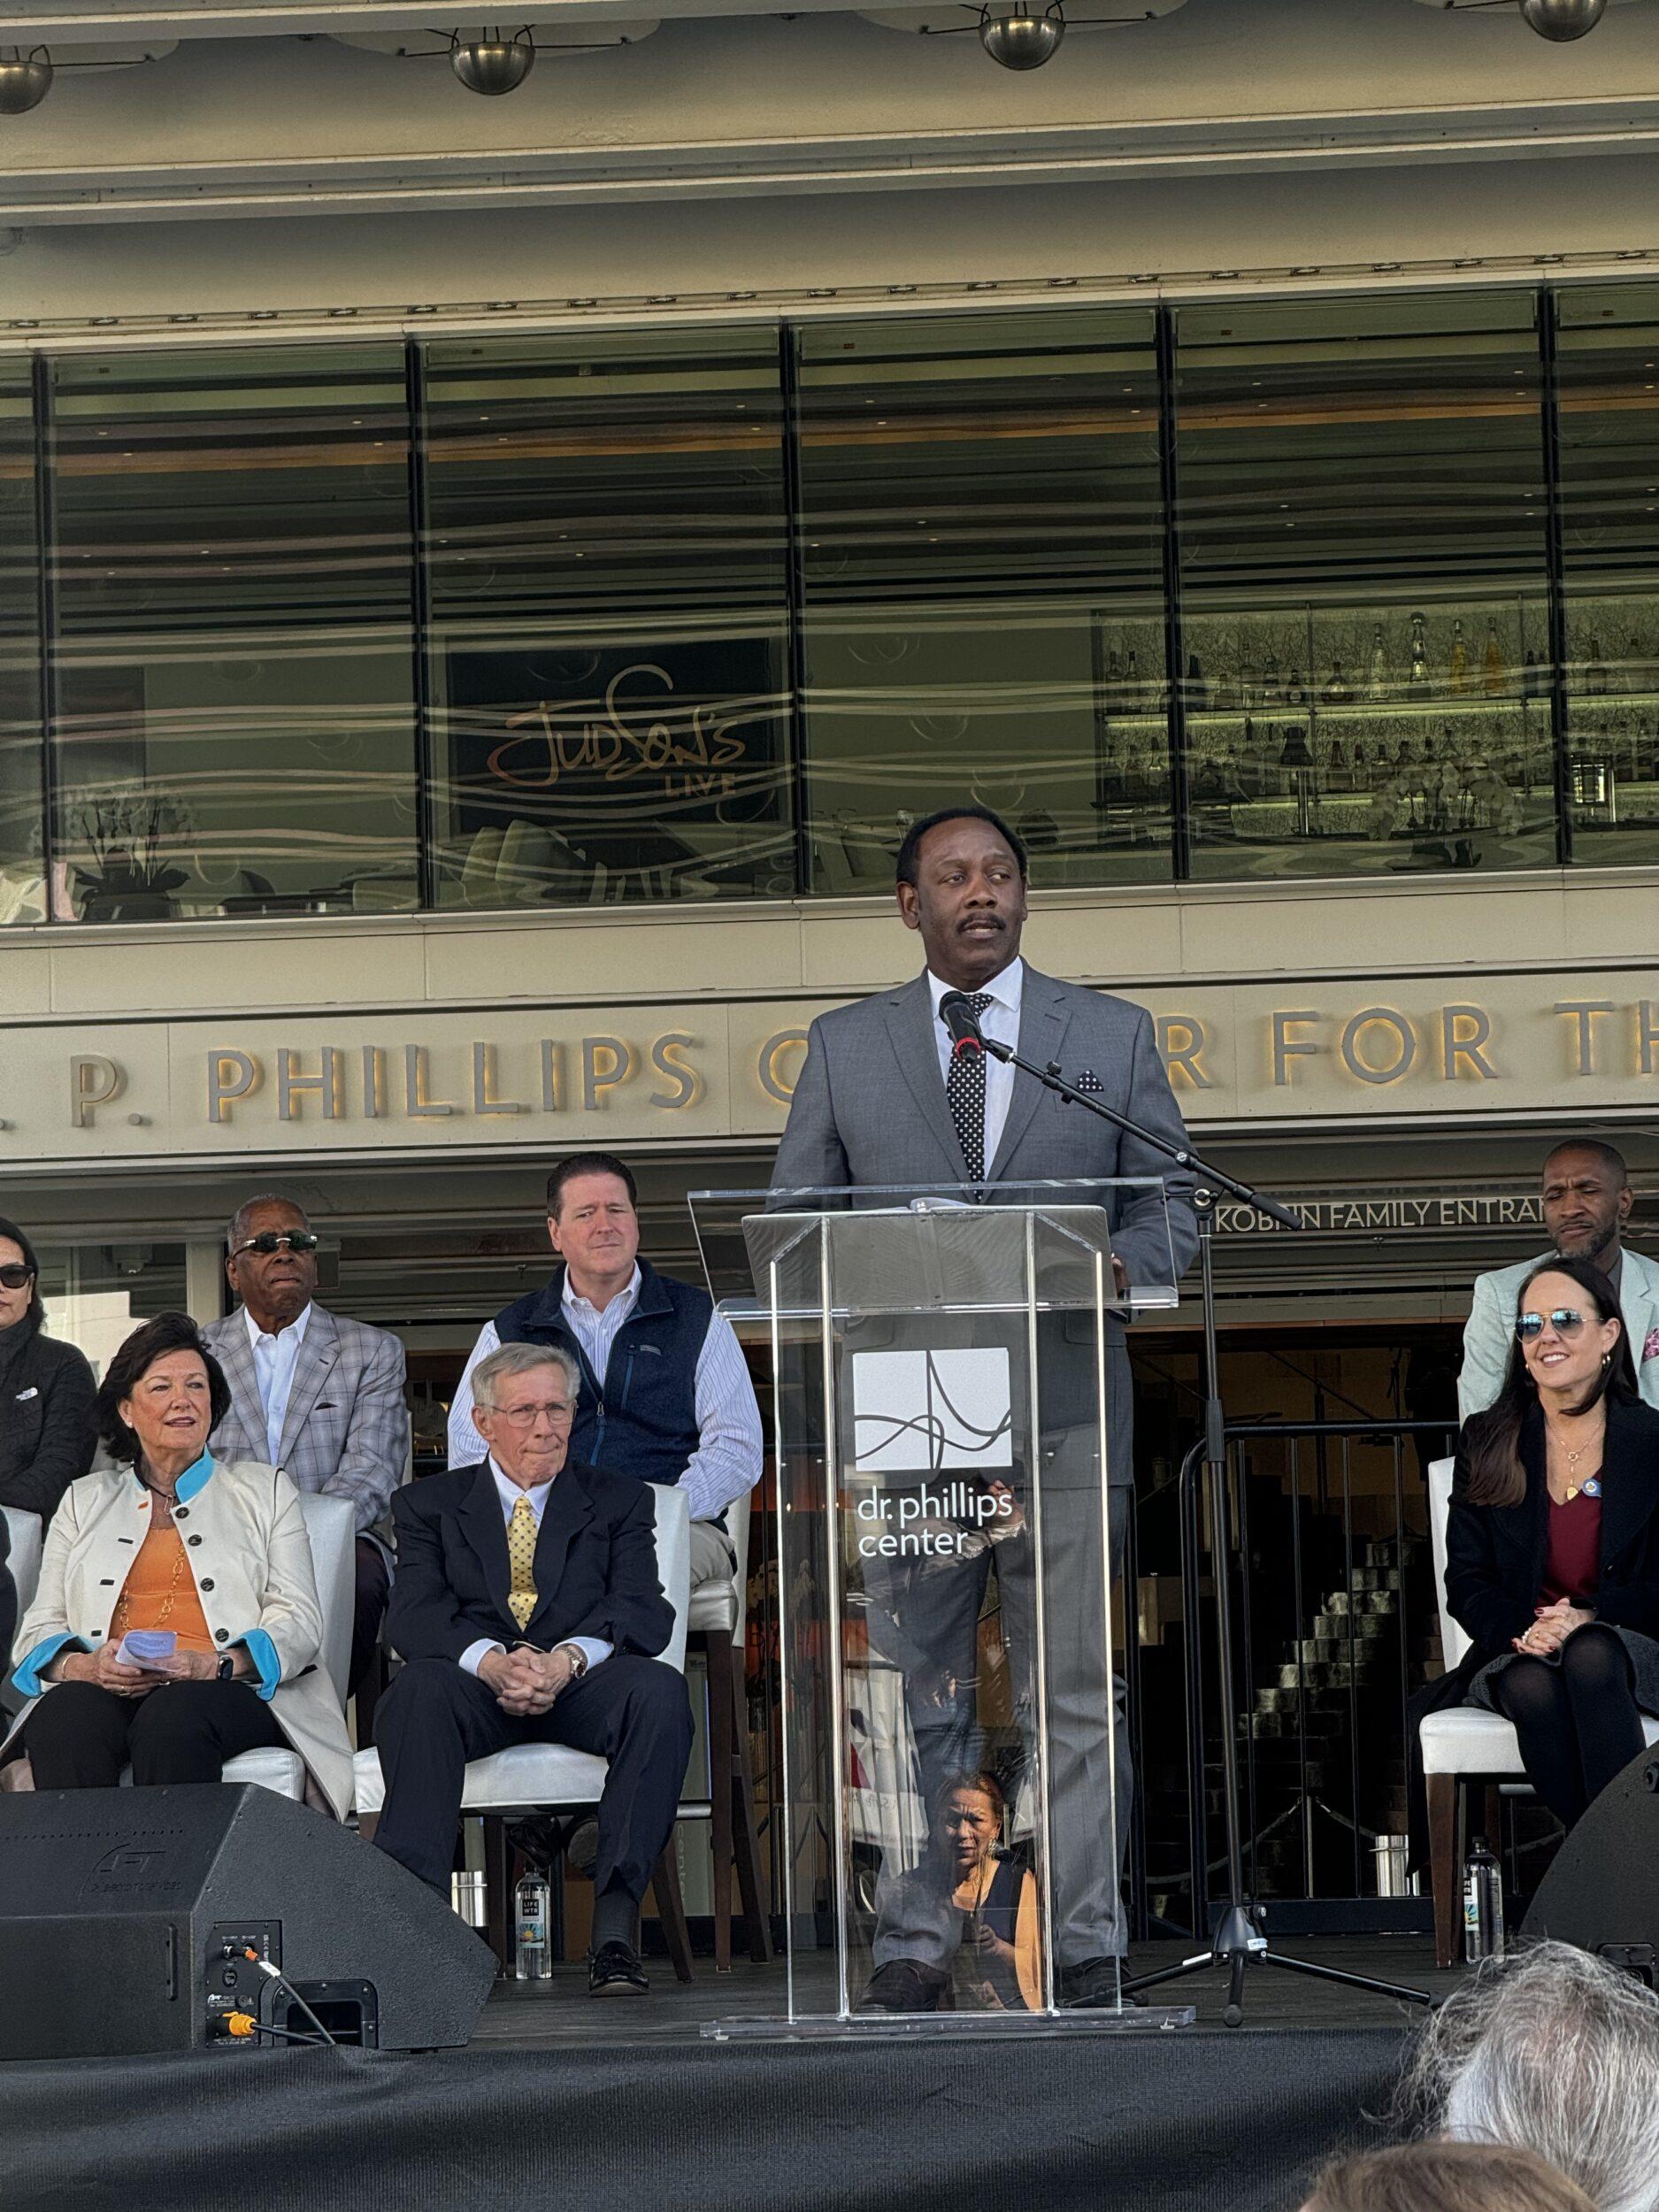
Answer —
965 1095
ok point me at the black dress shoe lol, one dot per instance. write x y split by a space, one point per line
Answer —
614 1971
905 1985
1093 1985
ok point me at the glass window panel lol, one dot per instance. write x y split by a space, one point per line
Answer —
22 880
1363 593
96 1294
236 666
609 663
982 529
1608 378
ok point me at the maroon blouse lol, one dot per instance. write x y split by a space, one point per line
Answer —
1573 1566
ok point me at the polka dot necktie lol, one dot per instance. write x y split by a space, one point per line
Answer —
965 1095
521 1534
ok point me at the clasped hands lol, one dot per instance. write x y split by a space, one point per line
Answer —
105 1672
1554 1624
526 1681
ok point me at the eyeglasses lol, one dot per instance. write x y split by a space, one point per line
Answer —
269 1241
525 1417
1564 1321
14 1275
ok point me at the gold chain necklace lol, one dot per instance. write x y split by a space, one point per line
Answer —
1572 1458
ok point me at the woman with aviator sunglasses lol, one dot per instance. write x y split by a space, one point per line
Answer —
1552 1545
47 1426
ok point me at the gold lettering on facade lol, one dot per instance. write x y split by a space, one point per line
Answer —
1181 1038
416 1105
1646 1036
373 1082
1465 1032
292 1081
607 1063
484 1098
1287 1047
777 1079
1584 1011
667 1057
552 1077
1404 1035
230 1075
94 1082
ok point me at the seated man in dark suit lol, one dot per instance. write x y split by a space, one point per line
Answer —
527 1606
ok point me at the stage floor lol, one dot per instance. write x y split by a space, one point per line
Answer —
541 2015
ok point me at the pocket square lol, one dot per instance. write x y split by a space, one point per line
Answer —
1650 1350
32 1392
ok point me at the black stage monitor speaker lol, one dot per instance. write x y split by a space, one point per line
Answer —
124 1914
1603 1892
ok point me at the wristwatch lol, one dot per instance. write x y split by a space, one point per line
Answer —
225 1671
579 1659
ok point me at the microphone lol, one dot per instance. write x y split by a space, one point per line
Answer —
960 1019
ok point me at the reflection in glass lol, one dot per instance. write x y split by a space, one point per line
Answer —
22 877
96 1294
234 674
607 656
981 548
1363 587
1608 345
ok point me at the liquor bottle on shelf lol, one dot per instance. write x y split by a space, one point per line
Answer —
1595 683
1377 683
1273 691
1295 690
1112 679
1458 668
1134 690
1248 684
1531 678
1336 767
1417 684
1338 691
1361 762
1494 676
1197 690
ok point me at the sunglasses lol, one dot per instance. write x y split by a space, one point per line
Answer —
1563 1320
15 1276
270 1240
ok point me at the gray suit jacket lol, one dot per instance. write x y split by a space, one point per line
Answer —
868 1108
346 1430
1490 1330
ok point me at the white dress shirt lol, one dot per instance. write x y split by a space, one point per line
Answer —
274 1360
728 1458
595 1648
1001 1020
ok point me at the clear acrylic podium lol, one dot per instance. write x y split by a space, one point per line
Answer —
951 1774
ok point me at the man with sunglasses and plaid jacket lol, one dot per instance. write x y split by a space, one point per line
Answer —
310 1391
1586 1201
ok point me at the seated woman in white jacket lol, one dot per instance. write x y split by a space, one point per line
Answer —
215 1557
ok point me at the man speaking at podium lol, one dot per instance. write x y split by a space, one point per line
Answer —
883 1099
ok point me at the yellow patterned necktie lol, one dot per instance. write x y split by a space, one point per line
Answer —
521 1534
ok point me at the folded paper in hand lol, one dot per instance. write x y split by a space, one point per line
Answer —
142 1647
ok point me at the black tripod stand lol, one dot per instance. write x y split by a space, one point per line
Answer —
1239 1940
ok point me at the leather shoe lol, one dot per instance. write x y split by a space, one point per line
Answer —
903 1985
614 1971
1093 1985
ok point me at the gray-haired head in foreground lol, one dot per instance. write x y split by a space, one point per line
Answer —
1558 2053
521 1359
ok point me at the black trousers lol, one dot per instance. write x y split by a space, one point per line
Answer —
436 1717
80 1736
1576 1717
373 1589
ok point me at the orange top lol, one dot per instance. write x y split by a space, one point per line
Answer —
159 1592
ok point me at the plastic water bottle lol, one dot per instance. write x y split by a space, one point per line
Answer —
533 1956
1483 1904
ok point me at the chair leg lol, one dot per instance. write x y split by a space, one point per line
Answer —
671 1908
498 1888
716 1654
748 1841
1444 1791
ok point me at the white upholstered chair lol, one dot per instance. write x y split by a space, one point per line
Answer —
1462 1745
720 1625
554 1779
25 1531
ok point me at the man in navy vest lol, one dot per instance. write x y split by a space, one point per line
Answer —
665 1395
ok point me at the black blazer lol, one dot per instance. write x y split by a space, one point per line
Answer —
1495 1555
48 1429
595 1565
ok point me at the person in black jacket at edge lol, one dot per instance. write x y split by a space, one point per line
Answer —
1552 1544
47 1426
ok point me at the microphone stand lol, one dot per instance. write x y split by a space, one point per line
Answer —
1238 1940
